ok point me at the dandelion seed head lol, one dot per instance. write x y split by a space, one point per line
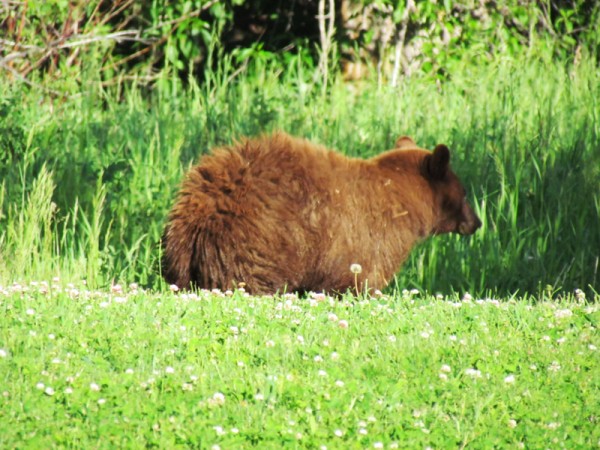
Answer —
355 268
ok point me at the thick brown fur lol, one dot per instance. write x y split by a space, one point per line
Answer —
280 213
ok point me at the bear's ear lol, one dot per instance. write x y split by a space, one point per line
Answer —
436 164
405 142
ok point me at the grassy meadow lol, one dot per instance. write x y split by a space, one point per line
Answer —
132 369
482 342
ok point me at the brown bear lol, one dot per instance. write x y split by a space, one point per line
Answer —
279 213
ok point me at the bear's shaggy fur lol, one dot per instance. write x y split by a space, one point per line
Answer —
281 214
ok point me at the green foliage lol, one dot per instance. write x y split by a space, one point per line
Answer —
67 46
125 368
525 149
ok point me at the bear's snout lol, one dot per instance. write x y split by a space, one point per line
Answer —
470 222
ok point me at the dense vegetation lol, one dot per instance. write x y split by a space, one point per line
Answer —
104 106
97 127
129 369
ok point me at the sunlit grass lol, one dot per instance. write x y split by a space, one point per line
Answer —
129 368
524 138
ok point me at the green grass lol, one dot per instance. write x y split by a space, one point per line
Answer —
134 369
103 166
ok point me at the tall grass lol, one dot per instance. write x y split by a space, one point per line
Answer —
524 135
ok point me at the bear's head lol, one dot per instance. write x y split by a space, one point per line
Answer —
454 214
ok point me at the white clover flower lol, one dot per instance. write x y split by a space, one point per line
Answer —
339 383
116 289
378 445
3 353
332 317
554 366
473 373
563 313
338 433
363 431
335 356
129 371
259 397
94 387
68 390
512 423
174 288
270 344
343 324
101 401
30 312
218 398
41 386
446 368
318 358
169 369
322 373
509 379
392 338
49 391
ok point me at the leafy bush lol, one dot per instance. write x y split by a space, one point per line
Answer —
69 41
